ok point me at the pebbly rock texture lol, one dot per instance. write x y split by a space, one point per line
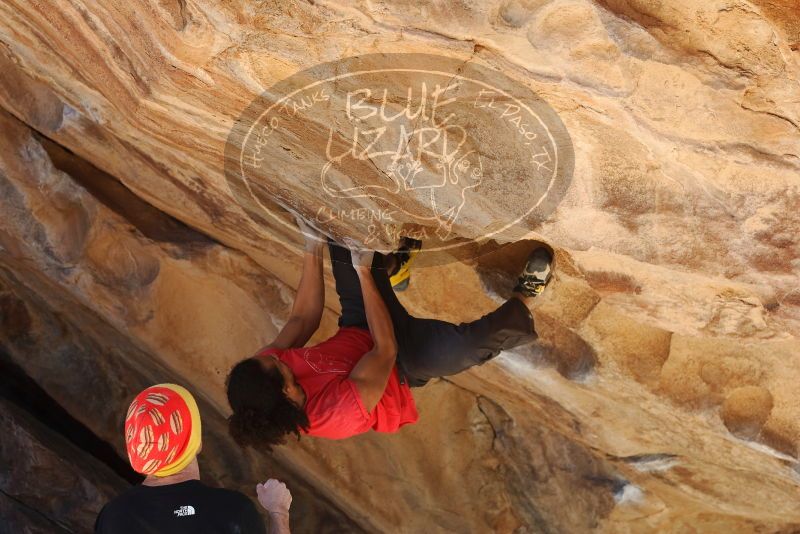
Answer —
661 395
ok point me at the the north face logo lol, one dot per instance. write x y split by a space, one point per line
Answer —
184 511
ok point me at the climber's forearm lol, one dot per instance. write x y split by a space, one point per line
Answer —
308 304
310 298
371 374
378 318
279 524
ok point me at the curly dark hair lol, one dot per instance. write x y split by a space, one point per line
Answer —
262 414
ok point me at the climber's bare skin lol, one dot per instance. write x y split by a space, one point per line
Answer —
371 374
372 371
307 313
335 406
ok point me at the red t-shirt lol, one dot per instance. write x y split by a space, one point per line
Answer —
333 404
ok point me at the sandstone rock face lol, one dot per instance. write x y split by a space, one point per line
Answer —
78 486
661 395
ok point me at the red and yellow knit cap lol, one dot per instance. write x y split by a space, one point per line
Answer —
162 430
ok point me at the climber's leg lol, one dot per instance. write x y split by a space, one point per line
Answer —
348 287
433 348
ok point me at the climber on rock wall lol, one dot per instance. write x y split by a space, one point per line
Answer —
163 438
360 379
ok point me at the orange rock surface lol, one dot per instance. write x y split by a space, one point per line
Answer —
662 394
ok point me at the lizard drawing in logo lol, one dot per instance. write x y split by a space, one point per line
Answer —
423 172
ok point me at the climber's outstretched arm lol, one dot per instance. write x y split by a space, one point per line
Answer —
371 373
310 299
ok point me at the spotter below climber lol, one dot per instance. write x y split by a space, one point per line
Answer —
163 439
360 379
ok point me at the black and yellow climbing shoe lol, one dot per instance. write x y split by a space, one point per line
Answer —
536 274
403 258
